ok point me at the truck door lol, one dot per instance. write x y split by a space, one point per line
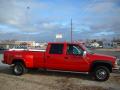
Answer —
74 58
55 56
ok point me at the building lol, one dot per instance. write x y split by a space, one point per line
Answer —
25 43
7 44
95 44
108 44
116 44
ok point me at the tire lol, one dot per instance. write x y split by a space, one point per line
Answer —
19 69
101 73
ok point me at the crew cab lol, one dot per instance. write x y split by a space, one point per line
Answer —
62 56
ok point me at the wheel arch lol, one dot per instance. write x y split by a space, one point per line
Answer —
18 61
97 63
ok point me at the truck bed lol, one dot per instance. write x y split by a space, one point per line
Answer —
32 58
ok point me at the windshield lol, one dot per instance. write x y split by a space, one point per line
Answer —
87 49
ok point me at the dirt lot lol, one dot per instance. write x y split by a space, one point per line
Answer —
51 80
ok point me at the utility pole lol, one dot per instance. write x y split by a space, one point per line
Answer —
27 24
71 32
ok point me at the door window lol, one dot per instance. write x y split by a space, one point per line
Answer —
56 49
74 49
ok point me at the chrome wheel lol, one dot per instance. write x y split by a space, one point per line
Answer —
18 69
101 74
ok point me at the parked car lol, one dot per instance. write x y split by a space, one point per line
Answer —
63 57
1 48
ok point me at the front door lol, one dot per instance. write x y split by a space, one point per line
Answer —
74 58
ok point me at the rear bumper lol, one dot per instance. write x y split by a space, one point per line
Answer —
3 61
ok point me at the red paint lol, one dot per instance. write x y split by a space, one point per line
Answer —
64 61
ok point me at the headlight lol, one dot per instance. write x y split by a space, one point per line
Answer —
117 62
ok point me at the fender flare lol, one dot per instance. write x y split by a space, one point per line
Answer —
101 62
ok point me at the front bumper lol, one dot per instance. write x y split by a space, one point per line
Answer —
117 64
116 68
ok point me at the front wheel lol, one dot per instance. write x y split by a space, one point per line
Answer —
19 69
101 73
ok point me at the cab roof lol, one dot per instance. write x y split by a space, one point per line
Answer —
64 43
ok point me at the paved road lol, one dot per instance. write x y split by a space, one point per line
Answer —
112 53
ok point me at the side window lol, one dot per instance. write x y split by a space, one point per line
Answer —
56 49
74 49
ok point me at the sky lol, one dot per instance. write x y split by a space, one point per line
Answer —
41 20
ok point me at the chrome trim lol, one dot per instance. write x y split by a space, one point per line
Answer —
117 64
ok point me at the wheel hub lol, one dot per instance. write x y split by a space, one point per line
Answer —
101 74
18 69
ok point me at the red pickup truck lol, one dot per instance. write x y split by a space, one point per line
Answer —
62 56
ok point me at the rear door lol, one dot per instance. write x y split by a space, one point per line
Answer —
55 57
38 59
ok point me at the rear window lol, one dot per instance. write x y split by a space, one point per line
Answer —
56 49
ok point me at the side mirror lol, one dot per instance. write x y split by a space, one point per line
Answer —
84 53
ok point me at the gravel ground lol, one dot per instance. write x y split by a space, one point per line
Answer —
53 80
